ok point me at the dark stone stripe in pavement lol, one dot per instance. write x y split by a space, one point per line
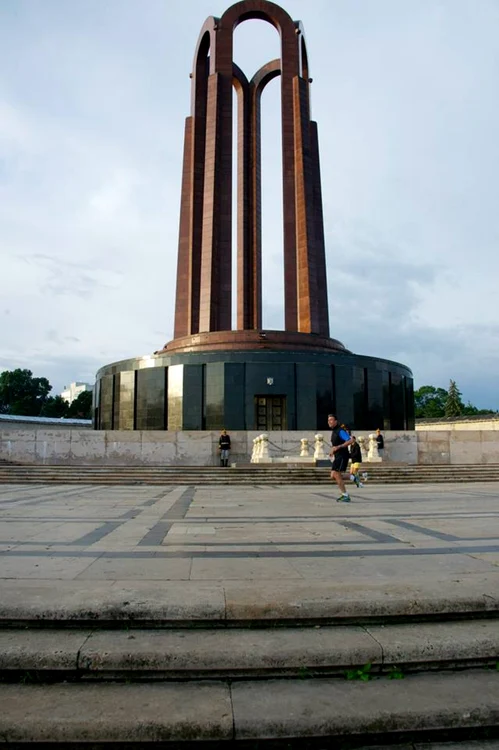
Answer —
133 513
98 534
365 497
263 554
180 506
53 543
156 535
137 509
177 512
378 536
218 544
310 519
157 498
422 530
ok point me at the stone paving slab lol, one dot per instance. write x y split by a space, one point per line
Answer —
308 708
251 710
262 551
76 601
243 652
240 601
367 598
41 649
438 642
115 713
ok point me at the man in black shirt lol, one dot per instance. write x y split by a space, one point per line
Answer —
340 440
381 442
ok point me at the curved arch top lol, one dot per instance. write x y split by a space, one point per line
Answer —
208 30
266 73
204 274
257 9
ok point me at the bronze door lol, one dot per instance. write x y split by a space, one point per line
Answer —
270 413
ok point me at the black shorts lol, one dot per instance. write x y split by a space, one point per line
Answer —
339 462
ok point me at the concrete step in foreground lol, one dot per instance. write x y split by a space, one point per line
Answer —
296 711
283 676
244 653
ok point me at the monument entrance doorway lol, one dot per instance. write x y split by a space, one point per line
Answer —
270 413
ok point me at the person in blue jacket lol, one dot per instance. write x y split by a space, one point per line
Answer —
339 455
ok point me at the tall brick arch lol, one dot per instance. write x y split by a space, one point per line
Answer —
204 275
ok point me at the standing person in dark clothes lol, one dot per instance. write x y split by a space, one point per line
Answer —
381 442
356 459
224 448
340 440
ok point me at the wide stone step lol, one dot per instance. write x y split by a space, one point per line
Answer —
295 710
193 604
257 469
320 477
238 472
238 653
116 481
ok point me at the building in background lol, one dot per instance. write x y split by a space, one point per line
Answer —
72 391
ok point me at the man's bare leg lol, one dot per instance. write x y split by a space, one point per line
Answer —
338 478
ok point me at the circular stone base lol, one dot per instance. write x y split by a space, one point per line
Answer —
281 382
244 340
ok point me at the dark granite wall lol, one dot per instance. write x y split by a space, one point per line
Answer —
220 389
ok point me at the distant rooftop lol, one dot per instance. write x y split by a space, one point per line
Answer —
45 420
467 418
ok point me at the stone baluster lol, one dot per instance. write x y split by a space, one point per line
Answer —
373 456
265 447
319 447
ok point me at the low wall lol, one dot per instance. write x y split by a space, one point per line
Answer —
150 448
466 423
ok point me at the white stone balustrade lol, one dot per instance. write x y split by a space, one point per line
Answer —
254 452
265 447
319 447
373 456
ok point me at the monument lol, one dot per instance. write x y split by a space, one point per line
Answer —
213 375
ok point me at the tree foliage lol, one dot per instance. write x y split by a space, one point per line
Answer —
81 408
429 402
23 395
55 407
453 404
432 403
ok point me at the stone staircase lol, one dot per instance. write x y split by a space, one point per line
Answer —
276 474
146 667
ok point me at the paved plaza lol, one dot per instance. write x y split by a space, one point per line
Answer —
260 534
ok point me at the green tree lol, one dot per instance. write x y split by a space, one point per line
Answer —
81 408
453 404
429 402
21 393
472 411
54 406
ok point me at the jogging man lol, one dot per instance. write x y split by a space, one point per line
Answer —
340 440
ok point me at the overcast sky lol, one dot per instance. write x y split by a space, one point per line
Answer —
93 97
